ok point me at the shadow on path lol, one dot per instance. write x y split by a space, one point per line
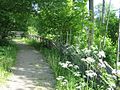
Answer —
31 72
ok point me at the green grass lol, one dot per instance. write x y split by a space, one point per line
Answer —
7 60
53 57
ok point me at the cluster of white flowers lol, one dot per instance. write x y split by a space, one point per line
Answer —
112 84
118 64
88 60
65 65
95 52
101 64
110 88
76 67
79 87
90 73
64 82
87 51
76 74
68 64
101 54
116 72
60 78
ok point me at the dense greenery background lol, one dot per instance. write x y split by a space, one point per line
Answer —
67 22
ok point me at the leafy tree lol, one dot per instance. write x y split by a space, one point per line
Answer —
62 19
13 16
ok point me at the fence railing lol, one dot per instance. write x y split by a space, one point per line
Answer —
46 42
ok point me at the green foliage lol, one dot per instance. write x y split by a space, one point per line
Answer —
13 16
111 52
67 23
110 49
77 68
111 36
32 31
61 19
113 28
7 60
113 25
5 25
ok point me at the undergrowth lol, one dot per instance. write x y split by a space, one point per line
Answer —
7 60
52 56
78 69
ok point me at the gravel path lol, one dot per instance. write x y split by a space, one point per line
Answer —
31 72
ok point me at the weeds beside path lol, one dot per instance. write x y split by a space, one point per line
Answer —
31 72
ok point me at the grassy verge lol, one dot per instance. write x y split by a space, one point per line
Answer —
53 58
7 60
72 76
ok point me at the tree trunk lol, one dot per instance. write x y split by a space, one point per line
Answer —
118 57
103 11
91 29
108 14
118 51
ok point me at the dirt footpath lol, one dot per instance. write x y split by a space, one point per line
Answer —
31 72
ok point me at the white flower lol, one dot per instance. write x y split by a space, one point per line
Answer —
64 65
83 84
78 87
90 60
112 84
76 67
60 63
76 74
64 82
60 78
70 65
118 64
110 88
83 59
95 52
116 72
101 54
101 65
90 73
84 76
68 62
87 51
